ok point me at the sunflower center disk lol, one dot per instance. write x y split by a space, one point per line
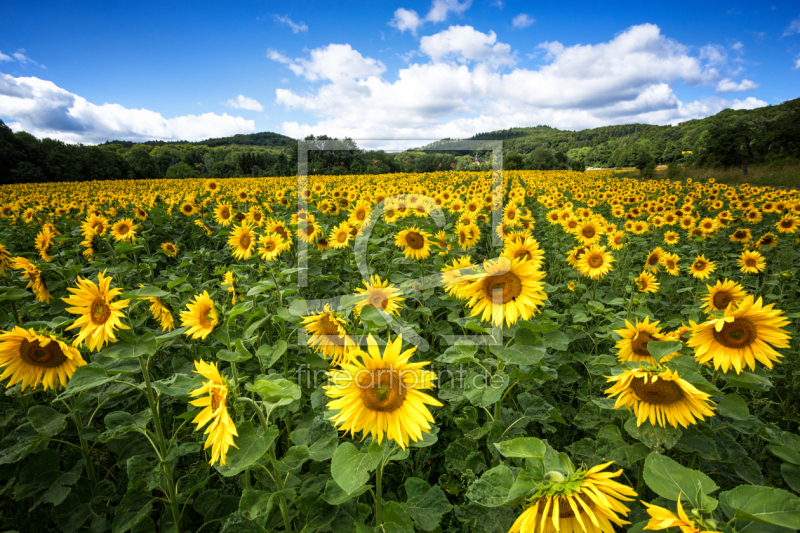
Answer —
508 283
659 393
382 390
99 312
245 241
736 334
216 401
415 240
34 354
596 261
639 344
722 299
203 319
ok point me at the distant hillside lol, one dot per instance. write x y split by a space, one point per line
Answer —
612 146
265 138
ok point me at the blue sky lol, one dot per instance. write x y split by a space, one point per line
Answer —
88 72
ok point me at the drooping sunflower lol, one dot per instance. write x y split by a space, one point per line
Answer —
722 294
751 262
243 241
42 243
215 410
586 501
169 248
380 295
200 316
124 230
596 262
661 519
328 335
161 313
633 344
506 290
745 334
414 242
271 246
36 359
34 277
527 248
381 394
229 282
200 224
99 316
661 396
646 282
702 267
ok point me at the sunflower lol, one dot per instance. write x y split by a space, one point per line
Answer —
467 235
414 243
161 313
380 295
745 333
646 282
616 240
34 277
340 236
271 246
671 238
661 518
702 267
169 248
660 395
595 263
671 264
96 223
722 294
527 248
767 239
381 394
215 410
588 232
36 359
586 501
741 235
328 335
223 214
200 224
124 230
751 262
200 316
99 316
633 344
788 224
242 240
308 230
230 283
360 214
654 258
42 243
506 289
212 185
5 260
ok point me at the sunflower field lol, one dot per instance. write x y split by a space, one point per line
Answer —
526 351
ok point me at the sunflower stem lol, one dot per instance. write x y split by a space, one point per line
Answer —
76 418
379 494
171 489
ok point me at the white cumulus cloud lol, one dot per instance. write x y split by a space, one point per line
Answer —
335 62
455 87
243 102
408 19
727 85
522 21
43 109
286 21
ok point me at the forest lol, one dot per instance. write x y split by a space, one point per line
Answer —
731 138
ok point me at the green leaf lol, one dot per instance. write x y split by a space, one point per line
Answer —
669 479
145 345
661 349
766 505
482 393
785 454
749 380
46 420
350 468
14 293
255 503
458 354
335 495
732 405
791 475
294 458
395 519
121 422
373 318
524 447
275 389
491 490
425 504
85 377
653 436
242 351
236 523
146 292
251 448
231 357
521 354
